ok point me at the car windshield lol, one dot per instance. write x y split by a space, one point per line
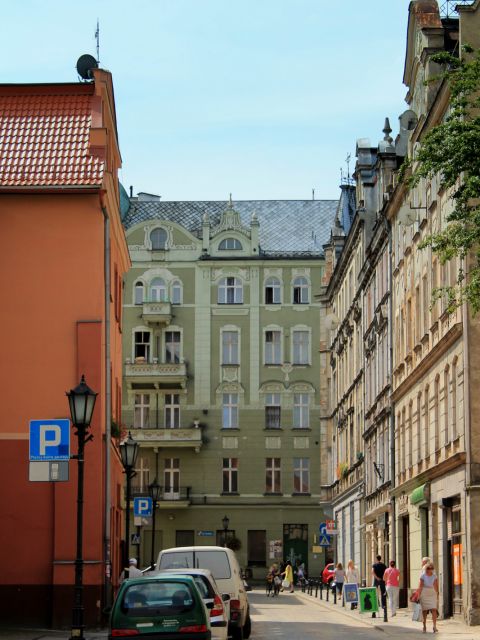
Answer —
157 598
215 561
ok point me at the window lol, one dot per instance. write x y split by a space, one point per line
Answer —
230 291
301 347
272 291
141 412
272 475
230 244
171 478
139 293
300 291
301 475
230 347
272 411
142 345
158 238
172 346
230 411
158 290
273 347
176 292
230 475
257 548
301 410
172 411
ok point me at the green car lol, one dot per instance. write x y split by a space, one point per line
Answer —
160 608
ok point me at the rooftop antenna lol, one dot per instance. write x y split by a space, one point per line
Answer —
313 194
97 38
347 160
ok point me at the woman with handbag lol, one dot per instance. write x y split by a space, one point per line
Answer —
287 582
428 595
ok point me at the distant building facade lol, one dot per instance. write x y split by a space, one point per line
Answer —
221 336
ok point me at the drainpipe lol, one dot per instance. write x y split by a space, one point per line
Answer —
468 454
107 595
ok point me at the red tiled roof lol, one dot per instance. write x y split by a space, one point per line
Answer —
44 137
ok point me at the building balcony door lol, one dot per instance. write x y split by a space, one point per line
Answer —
171 479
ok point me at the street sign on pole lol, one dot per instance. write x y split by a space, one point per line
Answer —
142 507
325 540
49 440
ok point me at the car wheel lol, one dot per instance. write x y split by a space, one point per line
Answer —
247 627
237 633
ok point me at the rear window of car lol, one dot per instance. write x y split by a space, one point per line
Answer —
215 561
157 598
204 586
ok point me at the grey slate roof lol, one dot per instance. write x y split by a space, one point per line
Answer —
286 226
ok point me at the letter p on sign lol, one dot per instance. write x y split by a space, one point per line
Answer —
50 436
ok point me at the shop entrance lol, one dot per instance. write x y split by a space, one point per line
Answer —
295 544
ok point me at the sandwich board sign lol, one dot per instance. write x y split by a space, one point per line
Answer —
368 600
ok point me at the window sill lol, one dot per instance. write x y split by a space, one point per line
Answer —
301 493
272 429
229 428
273 494
301 429
229 493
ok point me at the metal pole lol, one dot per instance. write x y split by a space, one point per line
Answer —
128 473
152 556
77 613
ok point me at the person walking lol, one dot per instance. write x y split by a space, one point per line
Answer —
352 576
339 578
378 569
131 572
428 593
392 585
288 577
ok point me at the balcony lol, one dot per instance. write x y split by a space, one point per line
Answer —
157 313
169 498
181 438
155 373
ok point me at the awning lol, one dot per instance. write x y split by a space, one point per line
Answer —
420 494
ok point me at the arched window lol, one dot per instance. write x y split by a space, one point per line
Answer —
158 290
300 291
230 244
139 291
158 238
230 291
273 291
176 292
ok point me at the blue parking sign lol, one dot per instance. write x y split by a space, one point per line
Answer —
49 440
142 507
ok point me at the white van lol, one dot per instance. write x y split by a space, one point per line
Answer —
224 566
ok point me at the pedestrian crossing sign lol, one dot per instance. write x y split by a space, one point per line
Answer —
324 540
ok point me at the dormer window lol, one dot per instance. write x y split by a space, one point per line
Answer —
158 238
230 244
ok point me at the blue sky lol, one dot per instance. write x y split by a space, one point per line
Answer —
261 98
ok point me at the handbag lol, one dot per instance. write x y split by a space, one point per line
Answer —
417 612
278 581
285 583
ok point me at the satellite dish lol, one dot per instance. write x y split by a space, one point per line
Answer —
331 322
406 216
85 64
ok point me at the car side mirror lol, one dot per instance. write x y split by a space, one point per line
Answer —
225 597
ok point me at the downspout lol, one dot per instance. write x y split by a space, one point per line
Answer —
468 454
393 528
107 593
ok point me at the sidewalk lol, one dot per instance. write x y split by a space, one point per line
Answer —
402 623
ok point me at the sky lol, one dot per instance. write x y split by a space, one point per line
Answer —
263 99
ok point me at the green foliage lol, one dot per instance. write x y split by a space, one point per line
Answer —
451 150
235 544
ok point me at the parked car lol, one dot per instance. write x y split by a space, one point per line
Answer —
328 574
223 564
220 609
168 606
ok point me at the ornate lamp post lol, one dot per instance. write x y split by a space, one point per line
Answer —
225 523
82 402
154 490
128 453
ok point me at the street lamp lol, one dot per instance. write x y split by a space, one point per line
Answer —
225 523
154 490
128 453
82 402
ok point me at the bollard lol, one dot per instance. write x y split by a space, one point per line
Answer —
384 604
335 595
316 588
321 590
328 592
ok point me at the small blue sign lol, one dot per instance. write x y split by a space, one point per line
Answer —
324 540
322 527
49 440
205 534
142 507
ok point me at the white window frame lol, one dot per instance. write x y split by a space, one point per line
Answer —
273 401
230 350
301 410
301 475
272 351
177 353
171 478
158 290
156 231
172 411
230 475
230 403
139 286
274 284
273 484
176 291
148 345
301 353
230 290
301 290
224 244
141 411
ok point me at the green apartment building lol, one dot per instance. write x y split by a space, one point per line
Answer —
222 370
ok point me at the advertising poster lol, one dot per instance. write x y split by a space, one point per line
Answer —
350 593
457 564
368 600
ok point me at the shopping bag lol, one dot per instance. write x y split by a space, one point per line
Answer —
285 583
417 612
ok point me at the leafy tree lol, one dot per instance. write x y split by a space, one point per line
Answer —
451 150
